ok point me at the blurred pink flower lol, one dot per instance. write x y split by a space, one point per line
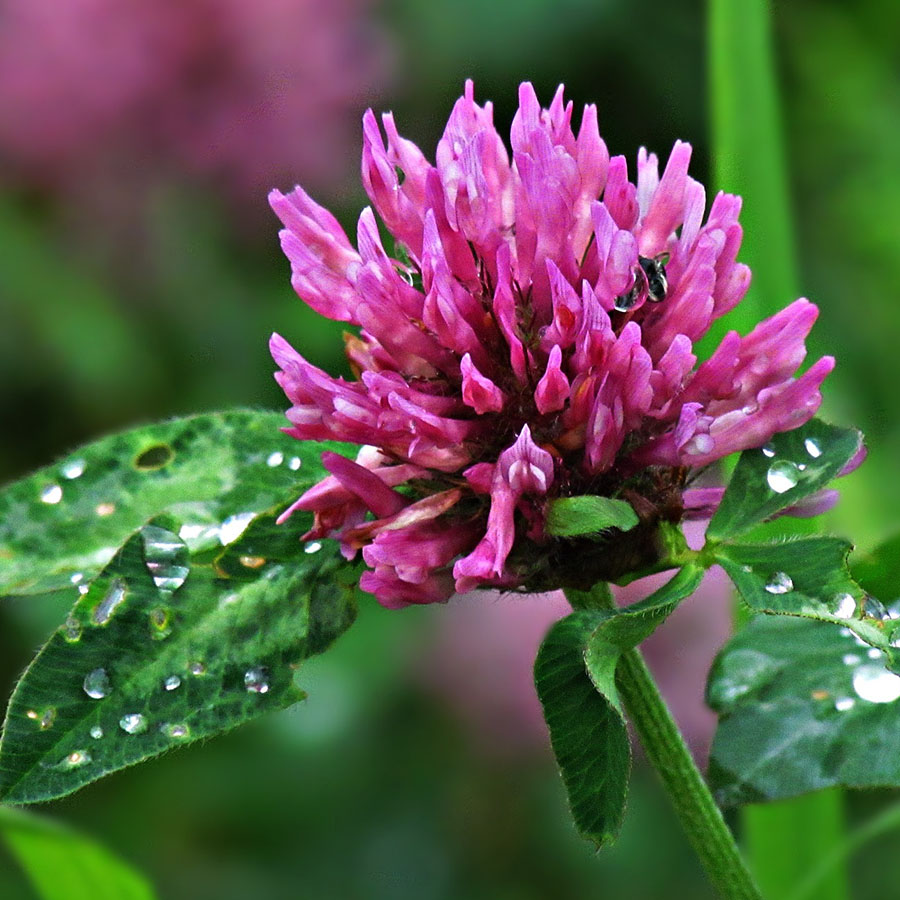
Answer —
248 91
532 339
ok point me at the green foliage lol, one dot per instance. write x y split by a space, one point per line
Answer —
877 571
575 676
576 516
187 624
64 865
59 526
803 706
793 465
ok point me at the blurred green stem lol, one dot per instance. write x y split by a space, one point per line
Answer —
784 841
701 819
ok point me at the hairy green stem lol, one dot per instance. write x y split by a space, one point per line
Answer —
700 817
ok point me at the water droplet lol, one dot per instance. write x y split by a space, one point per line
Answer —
252 562
873 653
874 683
31 714
851 659
275 459
234 526
768 450
295 463
83 589
801 467
172 683
51 494
96 684
133 723
105 509
842 704
48 717
75 760
72 629
779 583
179 731
78 576
813 448
844 606
111 601
228 600
312 547
74 468
256 680
782 476
166 557
96 732
874 609
197 668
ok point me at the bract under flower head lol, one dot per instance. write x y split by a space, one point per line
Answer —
529 336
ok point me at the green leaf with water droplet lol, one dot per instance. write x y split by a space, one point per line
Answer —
165 648
788 469
62 864
575 678
60 525
577 516
803 705
807 577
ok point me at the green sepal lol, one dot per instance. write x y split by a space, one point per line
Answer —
586 515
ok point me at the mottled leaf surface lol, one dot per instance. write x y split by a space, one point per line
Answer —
165 648
62 864
62 524
803 705
789 468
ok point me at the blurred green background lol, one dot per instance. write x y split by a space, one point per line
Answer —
140 277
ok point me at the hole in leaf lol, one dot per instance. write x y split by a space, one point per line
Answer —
154 457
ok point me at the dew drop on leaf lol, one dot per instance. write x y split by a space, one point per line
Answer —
96 684
74 468
295 463
312 547
160 622
252 562
842 704
851 659
179 731
78 576
166 557
768 451
779 583
874 683
197 668
51 494
75 760
874 608
96 732
133 723
873 653
844 606
782 476
256 680
234 526
172 683
111 601
72 629
275 459
813 448
105 509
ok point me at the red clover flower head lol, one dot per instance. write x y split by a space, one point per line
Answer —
529 337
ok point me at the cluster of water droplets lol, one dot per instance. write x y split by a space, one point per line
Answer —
784 474
166 557
276 458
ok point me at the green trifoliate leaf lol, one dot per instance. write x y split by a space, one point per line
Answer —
61 525
807 577
575 678
163 649
64 865
578 516
804 705
789 468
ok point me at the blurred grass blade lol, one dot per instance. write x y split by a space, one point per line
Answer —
783 842
63 865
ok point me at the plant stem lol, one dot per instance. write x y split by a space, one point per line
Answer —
665 748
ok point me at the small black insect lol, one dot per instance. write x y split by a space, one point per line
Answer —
655 271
